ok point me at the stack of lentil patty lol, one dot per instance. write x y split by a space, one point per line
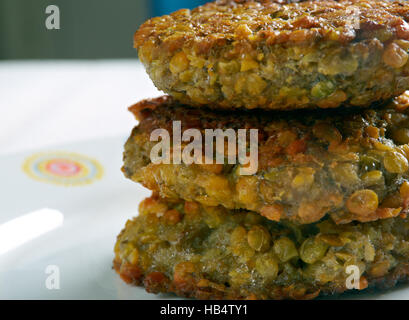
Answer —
332 185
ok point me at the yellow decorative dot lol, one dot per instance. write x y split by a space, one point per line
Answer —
63 168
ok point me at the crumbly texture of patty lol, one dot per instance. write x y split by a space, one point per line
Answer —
215 253
351 164
248 54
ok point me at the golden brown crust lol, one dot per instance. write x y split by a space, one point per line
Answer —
216 23
141 109
157 282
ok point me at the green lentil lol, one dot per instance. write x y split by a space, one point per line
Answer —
285 249
313 250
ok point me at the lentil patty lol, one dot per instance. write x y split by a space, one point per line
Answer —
348 163
211 252
233 54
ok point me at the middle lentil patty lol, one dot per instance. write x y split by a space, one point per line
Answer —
351 164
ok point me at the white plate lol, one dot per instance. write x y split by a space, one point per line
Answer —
78 226
82 247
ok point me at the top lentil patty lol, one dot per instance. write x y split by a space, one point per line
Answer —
232 54
349 163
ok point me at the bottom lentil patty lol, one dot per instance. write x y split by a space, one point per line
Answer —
215 253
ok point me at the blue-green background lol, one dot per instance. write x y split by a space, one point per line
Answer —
90 29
